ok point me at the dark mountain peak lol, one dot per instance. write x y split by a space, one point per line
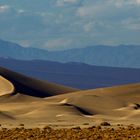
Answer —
76 75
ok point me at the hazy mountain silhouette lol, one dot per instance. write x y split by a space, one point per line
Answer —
78 75
119 56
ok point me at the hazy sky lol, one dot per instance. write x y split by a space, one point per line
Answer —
62 24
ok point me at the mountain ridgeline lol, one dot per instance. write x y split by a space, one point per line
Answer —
117 56
77 75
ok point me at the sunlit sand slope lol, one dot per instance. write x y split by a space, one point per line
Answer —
20 102
6 87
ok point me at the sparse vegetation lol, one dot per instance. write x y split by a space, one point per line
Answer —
105 124
21 124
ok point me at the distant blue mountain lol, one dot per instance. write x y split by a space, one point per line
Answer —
13 50
73 74
119 56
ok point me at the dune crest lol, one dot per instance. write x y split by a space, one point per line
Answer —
6 87
34 87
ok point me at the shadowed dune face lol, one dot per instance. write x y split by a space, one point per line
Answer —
30 86
20 102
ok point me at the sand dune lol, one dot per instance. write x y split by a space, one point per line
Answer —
120 104
21 103
33 87
6 87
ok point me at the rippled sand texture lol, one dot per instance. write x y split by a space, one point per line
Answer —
37 103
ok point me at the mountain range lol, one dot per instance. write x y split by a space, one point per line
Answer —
100 55
78 75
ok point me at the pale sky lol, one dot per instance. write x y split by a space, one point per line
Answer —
65 24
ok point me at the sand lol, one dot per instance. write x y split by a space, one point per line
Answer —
36 103
6 87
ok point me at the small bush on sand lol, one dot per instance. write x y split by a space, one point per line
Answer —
105 124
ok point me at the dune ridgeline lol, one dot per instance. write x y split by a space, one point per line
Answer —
35 102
